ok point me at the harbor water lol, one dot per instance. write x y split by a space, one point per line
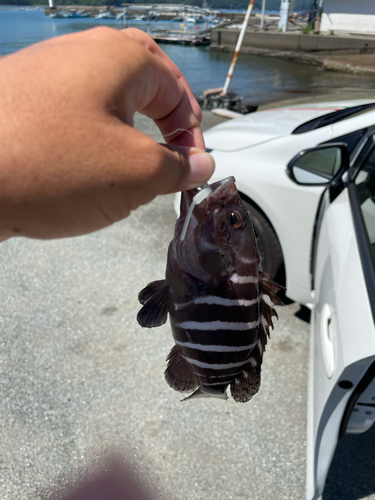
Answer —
258 79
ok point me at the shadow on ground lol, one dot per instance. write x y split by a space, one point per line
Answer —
304 314
351 476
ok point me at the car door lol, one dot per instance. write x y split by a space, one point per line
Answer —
341 388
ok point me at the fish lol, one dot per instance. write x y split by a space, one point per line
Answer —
219 301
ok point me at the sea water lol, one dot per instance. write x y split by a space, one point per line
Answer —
258 79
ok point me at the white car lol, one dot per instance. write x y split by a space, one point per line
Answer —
307 176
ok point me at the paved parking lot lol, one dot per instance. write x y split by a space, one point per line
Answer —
79 378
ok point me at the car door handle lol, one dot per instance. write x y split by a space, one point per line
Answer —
327 337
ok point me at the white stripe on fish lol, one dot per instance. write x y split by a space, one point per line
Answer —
213 299
216 348
217 383
235 278
226 375
245 260
217 366
217 325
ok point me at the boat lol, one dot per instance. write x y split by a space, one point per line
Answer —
123 15
195 20
105 14
83 13
63 14
60 14
140 18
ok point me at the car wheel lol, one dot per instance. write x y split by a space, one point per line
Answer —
268 243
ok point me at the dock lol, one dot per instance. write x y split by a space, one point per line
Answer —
182 37
189 24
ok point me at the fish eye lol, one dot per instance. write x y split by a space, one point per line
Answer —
236 219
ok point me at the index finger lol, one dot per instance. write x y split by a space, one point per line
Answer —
153 47
178 136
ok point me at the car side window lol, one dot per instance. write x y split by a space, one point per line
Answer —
322 161
365 191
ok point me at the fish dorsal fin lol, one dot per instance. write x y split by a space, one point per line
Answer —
154 298
269 299
178 373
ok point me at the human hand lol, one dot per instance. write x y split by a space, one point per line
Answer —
71 161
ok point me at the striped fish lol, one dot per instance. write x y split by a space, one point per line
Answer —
219 301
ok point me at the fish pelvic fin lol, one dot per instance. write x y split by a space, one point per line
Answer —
268 289
154 298
247 384
178 374
200 394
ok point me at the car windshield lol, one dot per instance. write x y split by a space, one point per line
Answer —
331 118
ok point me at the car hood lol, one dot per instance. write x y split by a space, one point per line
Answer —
264 126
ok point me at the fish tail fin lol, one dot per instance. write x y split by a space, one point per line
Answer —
269 299
178 374
154 300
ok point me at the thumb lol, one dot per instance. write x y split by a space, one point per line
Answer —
183 168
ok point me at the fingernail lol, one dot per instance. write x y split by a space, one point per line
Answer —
202 166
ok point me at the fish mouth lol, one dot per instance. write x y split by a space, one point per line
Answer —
221 191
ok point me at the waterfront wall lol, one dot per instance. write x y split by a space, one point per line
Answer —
226 39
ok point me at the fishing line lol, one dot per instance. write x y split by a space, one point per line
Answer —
202 194
179 130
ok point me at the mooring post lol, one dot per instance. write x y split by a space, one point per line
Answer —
263 14
284 14
238 48
51 3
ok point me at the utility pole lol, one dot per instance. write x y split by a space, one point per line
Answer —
237 49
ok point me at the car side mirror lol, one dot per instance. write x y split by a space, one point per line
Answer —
319 166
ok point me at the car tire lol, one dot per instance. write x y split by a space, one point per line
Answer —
268 243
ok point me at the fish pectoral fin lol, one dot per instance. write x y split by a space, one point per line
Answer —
269 290
178 373
150 290
154 298
246 385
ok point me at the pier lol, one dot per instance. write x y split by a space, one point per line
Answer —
182 38
156 12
